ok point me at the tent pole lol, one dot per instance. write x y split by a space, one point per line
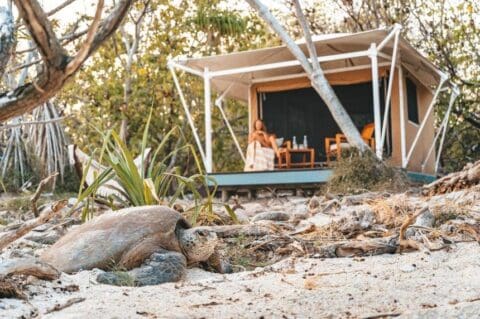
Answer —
185 68
376 100
453 97
234 137
284 64
389 90
424 122
396 29
208 120
187 113
403 140
329 71
440 130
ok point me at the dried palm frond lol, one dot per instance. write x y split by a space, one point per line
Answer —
47 141
13 163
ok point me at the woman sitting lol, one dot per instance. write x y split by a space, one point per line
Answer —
261 149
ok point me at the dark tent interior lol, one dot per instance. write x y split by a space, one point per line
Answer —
302 112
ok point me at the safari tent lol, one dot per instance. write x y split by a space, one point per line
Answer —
377 75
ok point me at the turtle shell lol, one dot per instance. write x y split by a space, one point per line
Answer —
103 241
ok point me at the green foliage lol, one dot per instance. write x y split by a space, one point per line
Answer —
356 172
96 96
155 183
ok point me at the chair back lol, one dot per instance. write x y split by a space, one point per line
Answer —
367 131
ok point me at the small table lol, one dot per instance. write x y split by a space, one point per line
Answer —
285 159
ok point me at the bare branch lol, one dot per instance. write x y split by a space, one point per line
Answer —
84 50
60 7
42 33
54 74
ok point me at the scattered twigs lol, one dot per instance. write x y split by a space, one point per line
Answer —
403 242
67 304
41 186
47 214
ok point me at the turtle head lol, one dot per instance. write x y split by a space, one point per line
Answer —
198 244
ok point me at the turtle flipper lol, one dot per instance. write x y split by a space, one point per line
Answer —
161 267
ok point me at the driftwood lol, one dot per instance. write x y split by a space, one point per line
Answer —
8 289
353 248
252 230
467 177
43 183
67 304
28 267
47 214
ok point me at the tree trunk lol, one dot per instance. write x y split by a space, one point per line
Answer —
58 66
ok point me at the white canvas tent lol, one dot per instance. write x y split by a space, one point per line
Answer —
232 75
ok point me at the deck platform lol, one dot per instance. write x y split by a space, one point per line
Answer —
303 178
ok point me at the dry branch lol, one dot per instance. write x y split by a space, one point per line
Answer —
409 220
69 302
353 248
43 183
59 67
46 215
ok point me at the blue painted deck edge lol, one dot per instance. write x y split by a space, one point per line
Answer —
291 177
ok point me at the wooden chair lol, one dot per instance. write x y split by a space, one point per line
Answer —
283 158
334 145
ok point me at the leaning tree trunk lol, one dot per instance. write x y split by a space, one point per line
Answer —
314 72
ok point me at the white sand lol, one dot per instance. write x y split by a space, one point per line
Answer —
443 284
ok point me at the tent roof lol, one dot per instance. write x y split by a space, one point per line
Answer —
326 45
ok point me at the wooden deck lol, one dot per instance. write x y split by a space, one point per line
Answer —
285 178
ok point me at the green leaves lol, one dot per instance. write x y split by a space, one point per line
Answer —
147 180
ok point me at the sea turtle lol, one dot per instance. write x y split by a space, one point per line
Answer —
144 245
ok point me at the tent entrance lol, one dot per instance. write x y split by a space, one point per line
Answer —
302 112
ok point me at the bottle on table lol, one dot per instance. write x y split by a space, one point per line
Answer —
305 142
294 143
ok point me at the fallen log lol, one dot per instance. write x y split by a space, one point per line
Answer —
28 267
467 177
46 215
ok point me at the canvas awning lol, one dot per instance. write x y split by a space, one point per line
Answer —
237 71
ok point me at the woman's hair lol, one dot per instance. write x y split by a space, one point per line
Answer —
264 128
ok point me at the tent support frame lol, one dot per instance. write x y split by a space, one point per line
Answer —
374 53
187 113
424 122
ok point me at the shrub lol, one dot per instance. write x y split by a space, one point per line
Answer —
355 172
